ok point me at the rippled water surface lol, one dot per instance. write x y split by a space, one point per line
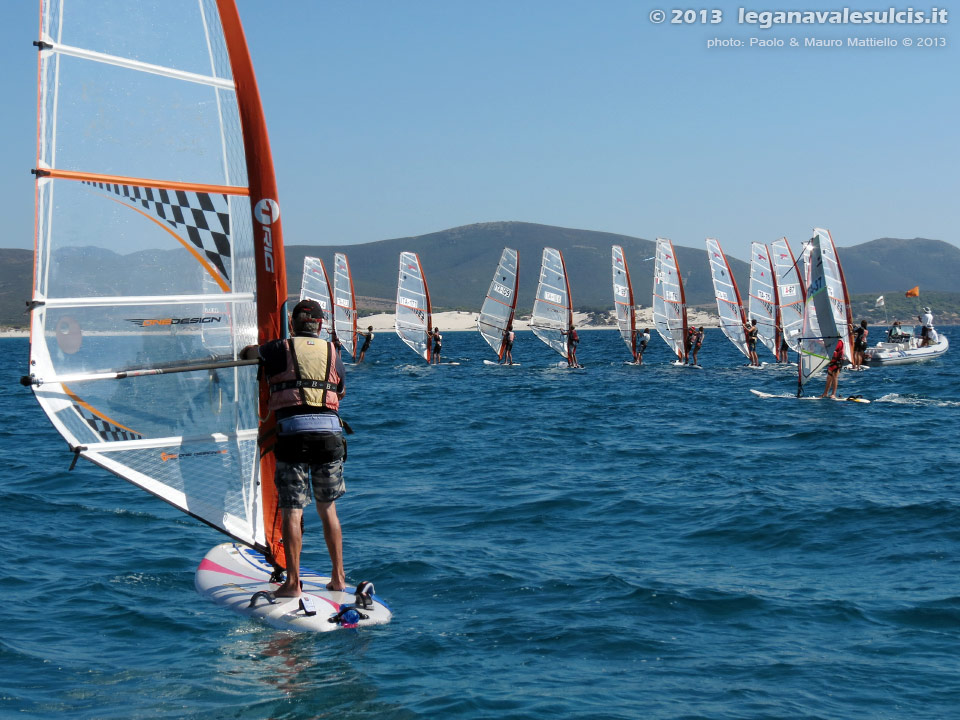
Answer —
615 542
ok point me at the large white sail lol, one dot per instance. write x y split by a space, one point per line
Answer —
413 318
820 333
344 305
552 310
623 300
500 303
837 287
316 286
158 253
790 292
729 304
669 303
763 305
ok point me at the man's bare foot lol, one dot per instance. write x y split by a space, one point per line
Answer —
286 590
336 585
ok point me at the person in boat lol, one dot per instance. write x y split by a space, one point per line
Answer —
859 344
696 344
306 380
896 334
508 337
750 332
437 345
572 341
833 370
367 338
926 321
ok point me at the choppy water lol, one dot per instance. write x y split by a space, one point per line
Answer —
617 542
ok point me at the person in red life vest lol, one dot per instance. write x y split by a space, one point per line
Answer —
833 371
305 375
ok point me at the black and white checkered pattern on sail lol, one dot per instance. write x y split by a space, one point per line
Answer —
204 216
108 431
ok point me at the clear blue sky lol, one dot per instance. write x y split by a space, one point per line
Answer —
389 119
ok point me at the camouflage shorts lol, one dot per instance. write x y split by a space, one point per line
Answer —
293 490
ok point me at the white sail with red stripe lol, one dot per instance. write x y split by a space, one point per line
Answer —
669 301
729 304
413 315
552 318
316 286
500 304
763 300
790 291
159 254
344 305
623 300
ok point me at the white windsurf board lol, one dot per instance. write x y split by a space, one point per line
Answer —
231 574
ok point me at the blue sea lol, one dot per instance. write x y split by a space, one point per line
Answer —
614 542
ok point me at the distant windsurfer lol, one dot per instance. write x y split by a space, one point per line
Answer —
437 345
305 375
508 336
783 352
859 344
750 333
644 338
833 370
696 343
367 338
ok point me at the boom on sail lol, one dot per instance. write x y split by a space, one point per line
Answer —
156 262
500 304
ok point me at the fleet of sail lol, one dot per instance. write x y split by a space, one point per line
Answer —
168 157
763 304
413 315
669 303
316 286
344 305
729 305
552 318
500 303
623 300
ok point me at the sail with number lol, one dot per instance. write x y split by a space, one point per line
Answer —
623 300
413 318
344 305
790 292
763 303
837 287
820 332
729 304
500 303
316 286
159 254
669 303
552 309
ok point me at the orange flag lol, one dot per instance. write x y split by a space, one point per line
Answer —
913 292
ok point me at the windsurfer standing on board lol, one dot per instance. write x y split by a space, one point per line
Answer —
833 370
437 344
697 343
572 341
367 337
508 337
644 339
751 331
306 383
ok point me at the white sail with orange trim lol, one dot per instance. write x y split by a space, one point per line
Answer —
316 286
159 254
413 315
623 300
763 303
729 304
552 318
344 305
790 292
669 302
